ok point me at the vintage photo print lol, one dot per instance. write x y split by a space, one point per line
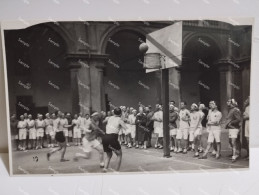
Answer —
128 96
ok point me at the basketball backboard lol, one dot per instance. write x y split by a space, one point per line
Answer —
168 43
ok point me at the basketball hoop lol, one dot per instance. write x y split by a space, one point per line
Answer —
154 61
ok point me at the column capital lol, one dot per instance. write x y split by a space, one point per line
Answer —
77 60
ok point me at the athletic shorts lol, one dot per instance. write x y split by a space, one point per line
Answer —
193 133
65 132
128 130
88 145
49 130
22 134
70 133
159 131
247 128
233 133
111 143
77 133
182 133
32 133
133 131
173 132
214 134
59 137
40 132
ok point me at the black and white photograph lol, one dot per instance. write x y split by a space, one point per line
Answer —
141 96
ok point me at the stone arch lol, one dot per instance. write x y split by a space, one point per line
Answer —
63 33
191 36
113 30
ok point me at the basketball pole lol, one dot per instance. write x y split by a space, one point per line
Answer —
165 102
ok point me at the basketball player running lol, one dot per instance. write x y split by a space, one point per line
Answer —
90 140
110 139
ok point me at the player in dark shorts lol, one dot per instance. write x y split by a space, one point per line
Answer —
61 140
110 139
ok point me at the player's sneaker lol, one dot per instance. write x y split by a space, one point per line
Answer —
185 151
179 150
63 160
196 154
172 149
102 165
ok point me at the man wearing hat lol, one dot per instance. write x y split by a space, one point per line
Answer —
233 125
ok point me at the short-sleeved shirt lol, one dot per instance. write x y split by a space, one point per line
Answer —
214 116
195 119
39 124
113 125
183 114
31 124
48 122
63 121
22 125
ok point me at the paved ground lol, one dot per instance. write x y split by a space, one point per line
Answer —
134 160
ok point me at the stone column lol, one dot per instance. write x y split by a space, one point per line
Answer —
97 65
74 90
226 89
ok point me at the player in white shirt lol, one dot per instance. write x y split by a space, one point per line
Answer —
183 130
22 129
32 132
40 125
49 130
76 130
214 128
110 139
